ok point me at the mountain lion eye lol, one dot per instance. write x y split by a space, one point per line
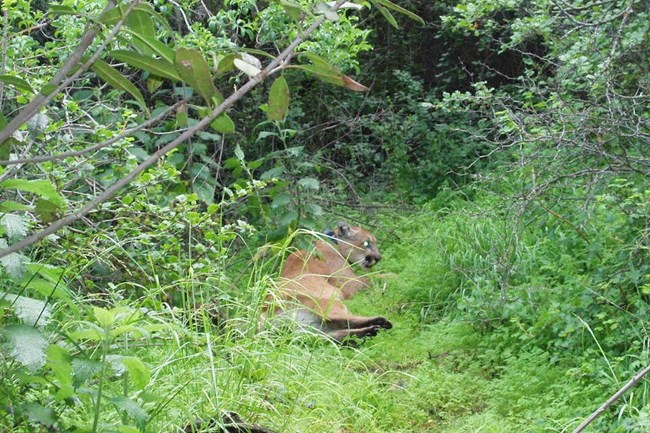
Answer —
366 244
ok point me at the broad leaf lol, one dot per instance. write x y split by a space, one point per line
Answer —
309 183
13 263
104 317
14 226
42 188
293 9
30 311
132 409
195 71
113 77
12 206
27 345
223 124
139 374
39 414
141 22
158 67
278 99
331 76
48 289
18 83
84 370
47 210
153 45
324 71
326 10
60 362
111 17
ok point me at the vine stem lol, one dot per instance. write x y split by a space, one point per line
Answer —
636 379
275 65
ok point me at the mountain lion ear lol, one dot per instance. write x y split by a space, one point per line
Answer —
343 230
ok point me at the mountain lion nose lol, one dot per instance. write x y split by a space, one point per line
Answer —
372 259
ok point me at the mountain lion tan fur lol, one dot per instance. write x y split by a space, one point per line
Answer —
314 285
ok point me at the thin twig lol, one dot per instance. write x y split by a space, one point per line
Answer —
636 379
276 64
97 146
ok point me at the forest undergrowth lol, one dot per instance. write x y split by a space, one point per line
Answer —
466 353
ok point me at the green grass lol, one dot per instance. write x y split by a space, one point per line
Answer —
447 366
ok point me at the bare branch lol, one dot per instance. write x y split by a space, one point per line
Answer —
636 379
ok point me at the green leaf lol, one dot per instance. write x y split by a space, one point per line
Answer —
138 372
104 317
309 183
39 414
158 67
132 409
113 77
84 370
60 362
48 288
281 201
114 15
12 206
30 311
386 13
61 10
13 263
279 233
27 345
47 210
18 83
49 272
47 89
128 429
141 22
153 46
289 218
390 5
326 10
331 76
324 71
278 99
14 225
195 71
223 124
90 333
42 188
293 9
239 153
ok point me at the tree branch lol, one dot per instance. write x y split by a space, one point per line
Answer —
97 146
636 379
276 64
57 81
